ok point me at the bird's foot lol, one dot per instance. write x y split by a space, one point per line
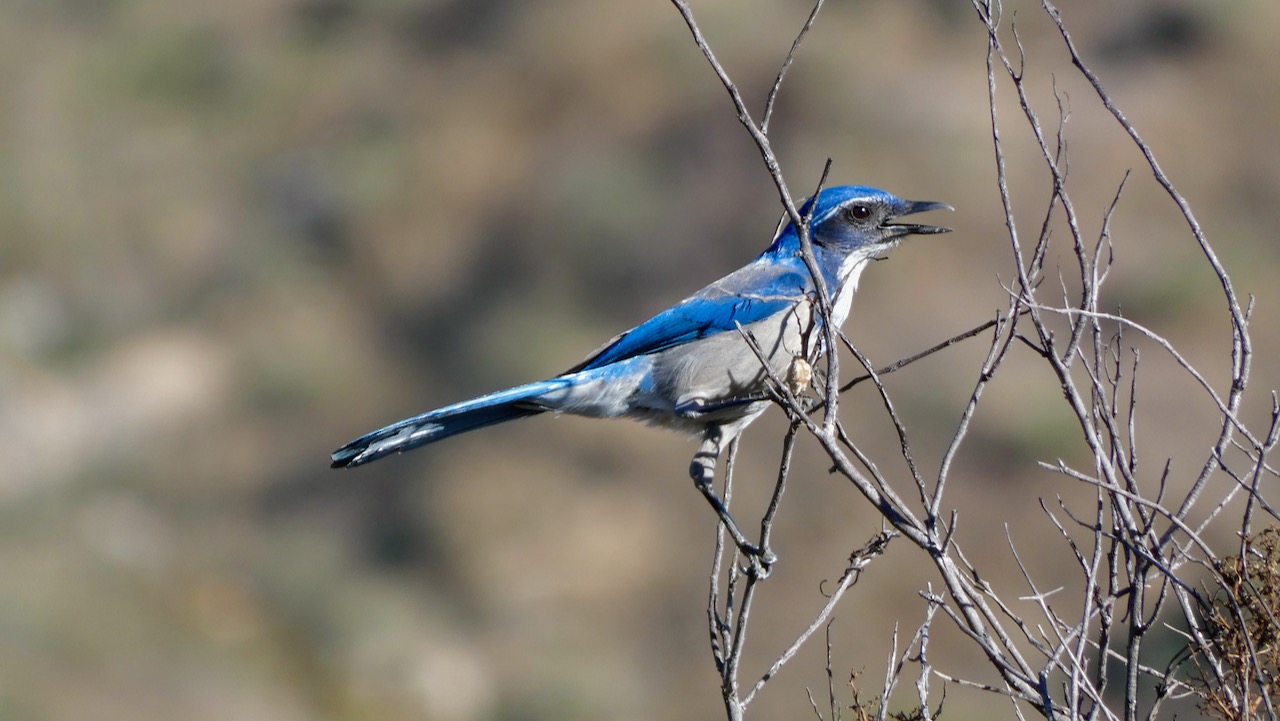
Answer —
703 471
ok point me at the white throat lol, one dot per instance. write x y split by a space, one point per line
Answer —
842 295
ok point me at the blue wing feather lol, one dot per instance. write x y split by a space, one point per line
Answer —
717 308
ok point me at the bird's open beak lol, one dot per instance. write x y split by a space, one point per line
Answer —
918 206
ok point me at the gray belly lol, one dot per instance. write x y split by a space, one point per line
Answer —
708 379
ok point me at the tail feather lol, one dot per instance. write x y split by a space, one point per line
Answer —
439 424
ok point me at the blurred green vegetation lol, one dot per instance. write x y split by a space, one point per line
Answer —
238 234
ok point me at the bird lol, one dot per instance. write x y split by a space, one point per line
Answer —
700 365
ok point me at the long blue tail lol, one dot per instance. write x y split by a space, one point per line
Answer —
451 420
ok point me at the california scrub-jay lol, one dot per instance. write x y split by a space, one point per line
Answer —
692 367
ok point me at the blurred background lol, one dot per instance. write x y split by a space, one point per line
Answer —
236 235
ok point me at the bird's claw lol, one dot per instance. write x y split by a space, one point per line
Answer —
703 471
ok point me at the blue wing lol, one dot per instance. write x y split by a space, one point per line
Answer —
750 294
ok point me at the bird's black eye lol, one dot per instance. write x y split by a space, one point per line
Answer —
857 212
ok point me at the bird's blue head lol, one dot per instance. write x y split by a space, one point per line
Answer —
851 218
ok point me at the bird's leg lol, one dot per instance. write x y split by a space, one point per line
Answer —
703 471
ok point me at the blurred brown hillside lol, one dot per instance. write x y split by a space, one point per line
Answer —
237 234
